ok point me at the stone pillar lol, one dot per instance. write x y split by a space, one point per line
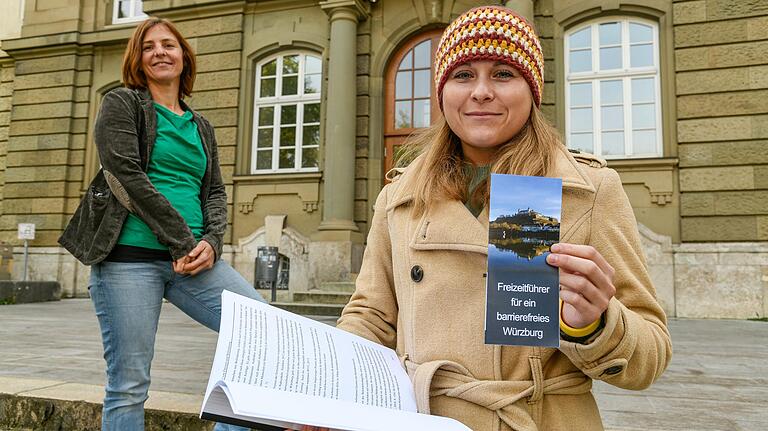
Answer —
339 168
523 7
337 246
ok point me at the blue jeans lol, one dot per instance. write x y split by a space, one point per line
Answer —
127 298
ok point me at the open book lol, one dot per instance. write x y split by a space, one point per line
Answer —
276 370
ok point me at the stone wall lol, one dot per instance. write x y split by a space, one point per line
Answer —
46 141
6 89
722 105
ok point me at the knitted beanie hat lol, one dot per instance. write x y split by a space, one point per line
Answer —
490 33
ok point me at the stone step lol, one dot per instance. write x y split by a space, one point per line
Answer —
337 286
18 413
309 309
322 297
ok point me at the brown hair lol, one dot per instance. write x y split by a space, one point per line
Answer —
442 175
133 74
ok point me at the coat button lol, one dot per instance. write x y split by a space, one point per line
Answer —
616 369
417 273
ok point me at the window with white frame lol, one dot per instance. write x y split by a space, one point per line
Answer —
127 11
612 88
286 131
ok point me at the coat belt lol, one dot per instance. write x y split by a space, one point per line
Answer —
448 378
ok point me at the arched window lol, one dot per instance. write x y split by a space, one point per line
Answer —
612 88
410 93
286 123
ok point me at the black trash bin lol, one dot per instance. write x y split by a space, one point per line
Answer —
271 270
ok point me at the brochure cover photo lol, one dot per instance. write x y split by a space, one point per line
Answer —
522 291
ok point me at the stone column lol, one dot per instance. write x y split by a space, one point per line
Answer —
339 168
337 247
523 7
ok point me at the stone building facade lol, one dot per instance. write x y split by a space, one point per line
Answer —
310 100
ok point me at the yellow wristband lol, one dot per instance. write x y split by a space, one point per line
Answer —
577 332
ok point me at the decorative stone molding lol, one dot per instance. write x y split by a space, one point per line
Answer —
292 244
660 199
334 7
656 175
249 188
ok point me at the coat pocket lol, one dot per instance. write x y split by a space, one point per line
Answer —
96 201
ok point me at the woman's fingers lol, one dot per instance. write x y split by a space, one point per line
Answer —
585 252
581 286
584 267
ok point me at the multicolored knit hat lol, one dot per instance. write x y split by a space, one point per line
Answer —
491 33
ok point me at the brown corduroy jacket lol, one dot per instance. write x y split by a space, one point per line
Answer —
436 323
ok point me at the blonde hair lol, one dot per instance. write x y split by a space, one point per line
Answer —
442 175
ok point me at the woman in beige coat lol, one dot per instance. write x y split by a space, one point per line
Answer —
421 289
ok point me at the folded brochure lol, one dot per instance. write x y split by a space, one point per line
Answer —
522 290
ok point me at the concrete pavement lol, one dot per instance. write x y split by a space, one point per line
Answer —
718 378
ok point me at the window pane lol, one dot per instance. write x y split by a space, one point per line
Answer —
643 90
640 33
581 94
267 87
421 54
269 69
265 138
124 9
291 64
613 143
421 83
264 159
311 136
287 158
641 55
313 64
312 84
288 136
403 85
580 61
403 114
309 158
288 114
421 113
266 116
610 34
290 85
611 92
581 142
137 9
407 62
581 39
312 113
581 120
643 116
610 58
612 117
644 141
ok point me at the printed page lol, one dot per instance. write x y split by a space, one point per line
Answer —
265 347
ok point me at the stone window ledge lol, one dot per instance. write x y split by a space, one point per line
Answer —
281 178
656 163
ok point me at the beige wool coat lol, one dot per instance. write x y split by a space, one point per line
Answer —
436 324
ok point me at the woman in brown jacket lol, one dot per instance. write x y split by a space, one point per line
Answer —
421 289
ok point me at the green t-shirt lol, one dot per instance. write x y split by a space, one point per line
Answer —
176 169
476 174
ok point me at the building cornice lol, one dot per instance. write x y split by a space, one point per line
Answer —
362 9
